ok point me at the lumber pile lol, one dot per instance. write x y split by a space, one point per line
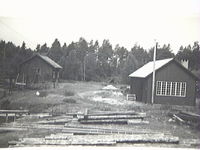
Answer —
188 118
91 130
96 139
78 130
14 111
112 117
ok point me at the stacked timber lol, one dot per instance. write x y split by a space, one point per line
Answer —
188 118
96 139
91 130
112 117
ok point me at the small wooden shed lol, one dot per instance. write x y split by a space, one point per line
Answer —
174 84
39 68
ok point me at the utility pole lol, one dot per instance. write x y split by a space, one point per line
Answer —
84 69
153 80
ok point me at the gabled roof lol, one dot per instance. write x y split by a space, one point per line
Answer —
50 61
147 69
46 59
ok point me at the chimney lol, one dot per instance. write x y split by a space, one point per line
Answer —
185 63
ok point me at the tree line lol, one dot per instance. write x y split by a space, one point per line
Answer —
88 61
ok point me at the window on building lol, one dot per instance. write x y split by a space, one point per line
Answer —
168 89
183 89
164 88
158 91
173 89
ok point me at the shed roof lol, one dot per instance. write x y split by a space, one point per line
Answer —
46 59
50 61
147 69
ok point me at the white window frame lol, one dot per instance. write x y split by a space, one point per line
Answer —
179 93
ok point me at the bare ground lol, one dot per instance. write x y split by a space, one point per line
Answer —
78 96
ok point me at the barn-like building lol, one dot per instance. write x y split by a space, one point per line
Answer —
39 68
174 83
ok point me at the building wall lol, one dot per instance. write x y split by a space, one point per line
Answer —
137 88
29 69
172 72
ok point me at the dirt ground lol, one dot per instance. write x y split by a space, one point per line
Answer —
73 97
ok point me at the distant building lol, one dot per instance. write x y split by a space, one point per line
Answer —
39 68
174 83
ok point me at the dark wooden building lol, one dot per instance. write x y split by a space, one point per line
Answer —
38 68
174 84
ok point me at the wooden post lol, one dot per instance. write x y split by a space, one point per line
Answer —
153 80
14 118
6 117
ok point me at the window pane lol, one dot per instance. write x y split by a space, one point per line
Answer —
158 87
178 88
163 87
183 89
168 88
173 88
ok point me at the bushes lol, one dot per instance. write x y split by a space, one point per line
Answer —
5 104
69 93
69 100
43 93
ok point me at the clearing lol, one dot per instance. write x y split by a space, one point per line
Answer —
72 97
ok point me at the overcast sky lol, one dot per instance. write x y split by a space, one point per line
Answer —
123 22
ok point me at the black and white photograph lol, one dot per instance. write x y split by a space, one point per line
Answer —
100 74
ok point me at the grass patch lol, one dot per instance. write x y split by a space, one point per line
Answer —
69 100
43 93
69 93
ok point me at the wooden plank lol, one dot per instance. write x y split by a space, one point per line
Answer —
137 121
115 121
57 121
189 116
12 129
115 113
104 117
107 131
7 114
72 141
14 111
114 130
102 140
178 118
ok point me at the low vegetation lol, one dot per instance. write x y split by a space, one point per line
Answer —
69 93
69 100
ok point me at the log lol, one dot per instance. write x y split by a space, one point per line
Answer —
72 141
7 114
112 117
178 118
115 113
2 129
190 142
191 114
57 121
58 136
14 111
188 116
102 140
140 122
115 121
81 126
99 131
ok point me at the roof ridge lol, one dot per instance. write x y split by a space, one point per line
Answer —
147 68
